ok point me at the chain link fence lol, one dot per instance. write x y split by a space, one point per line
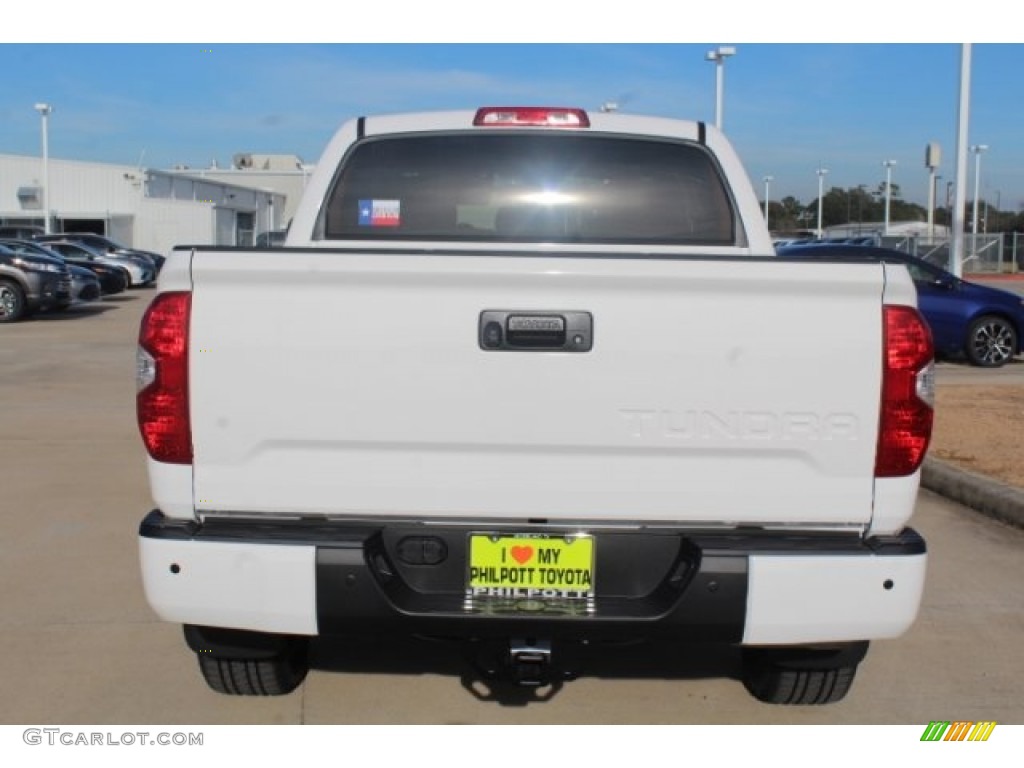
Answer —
984 254
1015 251
988 254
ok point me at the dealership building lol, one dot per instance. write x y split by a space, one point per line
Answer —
154 209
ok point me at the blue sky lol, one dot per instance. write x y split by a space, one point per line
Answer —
788 106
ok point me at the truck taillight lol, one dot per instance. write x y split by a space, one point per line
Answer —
908 396
162 378
551 117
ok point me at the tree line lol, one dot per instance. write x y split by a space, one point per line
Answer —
860 204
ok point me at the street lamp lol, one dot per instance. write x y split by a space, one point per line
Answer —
44 111
932 158
977 149
719 55
888 191
767 181
821 186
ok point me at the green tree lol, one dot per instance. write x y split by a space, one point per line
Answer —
901 210
784 214
834 207
1011 222
863 205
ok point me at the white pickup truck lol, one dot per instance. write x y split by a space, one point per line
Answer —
532 378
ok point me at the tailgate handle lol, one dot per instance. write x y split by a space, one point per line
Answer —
518 330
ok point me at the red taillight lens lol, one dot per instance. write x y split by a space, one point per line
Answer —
162 401
551 117
905 426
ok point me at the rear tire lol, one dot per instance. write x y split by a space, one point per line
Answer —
255 677
801 676
242 663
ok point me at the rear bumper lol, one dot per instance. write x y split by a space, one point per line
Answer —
333 578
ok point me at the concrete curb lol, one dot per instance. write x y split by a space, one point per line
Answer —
990 497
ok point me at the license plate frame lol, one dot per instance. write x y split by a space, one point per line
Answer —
543 567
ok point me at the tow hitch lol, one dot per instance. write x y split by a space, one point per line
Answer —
523 662
529 661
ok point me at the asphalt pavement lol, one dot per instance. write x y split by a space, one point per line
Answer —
984 494
82 645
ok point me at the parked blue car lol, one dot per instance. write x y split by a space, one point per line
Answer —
985 325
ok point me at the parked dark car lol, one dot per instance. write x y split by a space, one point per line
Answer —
113 278
85 286
29 283
140 269
985 325
104 245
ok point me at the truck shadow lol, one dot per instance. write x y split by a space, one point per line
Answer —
480 671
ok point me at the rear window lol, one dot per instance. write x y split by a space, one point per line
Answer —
530 187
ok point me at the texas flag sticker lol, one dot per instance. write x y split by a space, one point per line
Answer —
380 213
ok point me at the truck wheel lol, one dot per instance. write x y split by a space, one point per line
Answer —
275 676
12 302
991 342
799 675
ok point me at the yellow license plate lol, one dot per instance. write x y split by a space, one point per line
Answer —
531 566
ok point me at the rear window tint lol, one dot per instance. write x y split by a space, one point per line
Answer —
530 187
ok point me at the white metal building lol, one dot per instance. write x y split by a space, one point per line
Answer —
145 208
286 174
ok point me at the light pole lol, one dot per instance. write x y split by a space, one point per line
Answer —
977 149
821 186
888 192
931 204
956 244
767 181
719 55
44 111
932 156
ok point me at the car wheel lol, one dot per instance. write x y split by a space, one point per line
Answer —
801 676
991 342
274 676
12 302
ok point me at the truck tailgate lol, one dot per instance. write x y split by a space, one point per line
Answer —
716 391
